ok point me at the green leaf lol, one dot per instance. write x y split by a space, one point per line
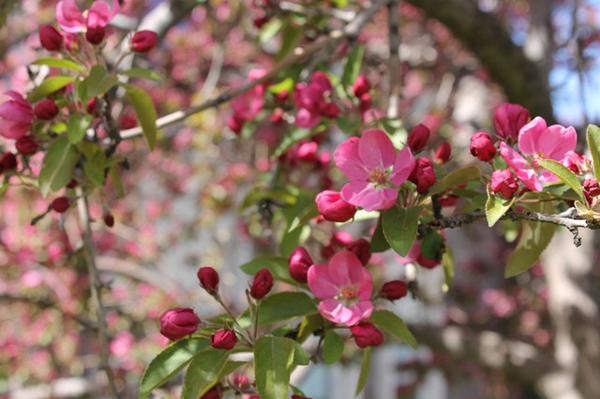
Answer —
203 372
310 324
277 265
145 112
352 67
57 169
378 241
284 306
365 367
59 63
273 363
94 168
269 30
455 178
333 347
77 126
301 358
496 207
400 227
448 266
49 86
98 82
564 174
172 359
117 181
535 237
432 246
290 37
142 73
593 142
392 324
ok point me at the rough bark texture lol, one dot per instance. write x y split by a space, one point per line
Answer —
483 33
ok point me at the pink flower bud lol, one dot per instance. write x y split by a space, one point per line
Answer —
262 284
423 175
46 109
418 138
209 279
591 189
109 219
365 102
578 163
223 339
16 116
91 105
60 204
393 290
235 124
143 41
482 147
366 334
50 38
95 35
213 393
299 262
362 249
333 208
504 183
178 322
330 110
442 153
509 119
361 86
26 145
8 161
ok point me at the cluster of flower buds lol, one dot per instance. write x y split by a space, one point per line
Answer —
313 100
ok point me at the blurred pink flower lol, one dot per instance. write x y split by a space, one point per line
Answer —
375 169
122 344
537 140
72 20
16 116
344 287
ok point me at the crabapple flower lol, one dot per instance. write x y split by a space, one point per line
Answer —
482 147
143 41
442 153
591 189
299 262
313 101
72 20
418 138
393 290
362 249
223 339
209 279
50 38
375 169
537 140
262 284
248 105
16 116
344 288
423 175
509 119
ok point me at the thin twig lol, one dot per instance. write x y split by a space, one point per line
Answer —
350 32
96 286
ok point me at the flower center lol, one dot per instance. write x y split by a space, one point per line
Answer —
378 176
347 294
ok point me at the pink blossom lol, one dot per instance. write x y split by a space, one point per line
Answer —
375 169
313 101
72 20
16 116
537 140
248 105
344 287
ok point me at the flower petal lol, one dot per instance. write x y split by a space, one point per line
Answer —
347 159
364 195
320 283
405 163
376 149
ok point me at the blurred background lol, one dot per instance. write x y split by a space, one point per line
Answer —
186 205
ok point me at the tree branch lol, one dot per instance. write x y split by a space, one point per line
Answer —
350 32
96 286
566 219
